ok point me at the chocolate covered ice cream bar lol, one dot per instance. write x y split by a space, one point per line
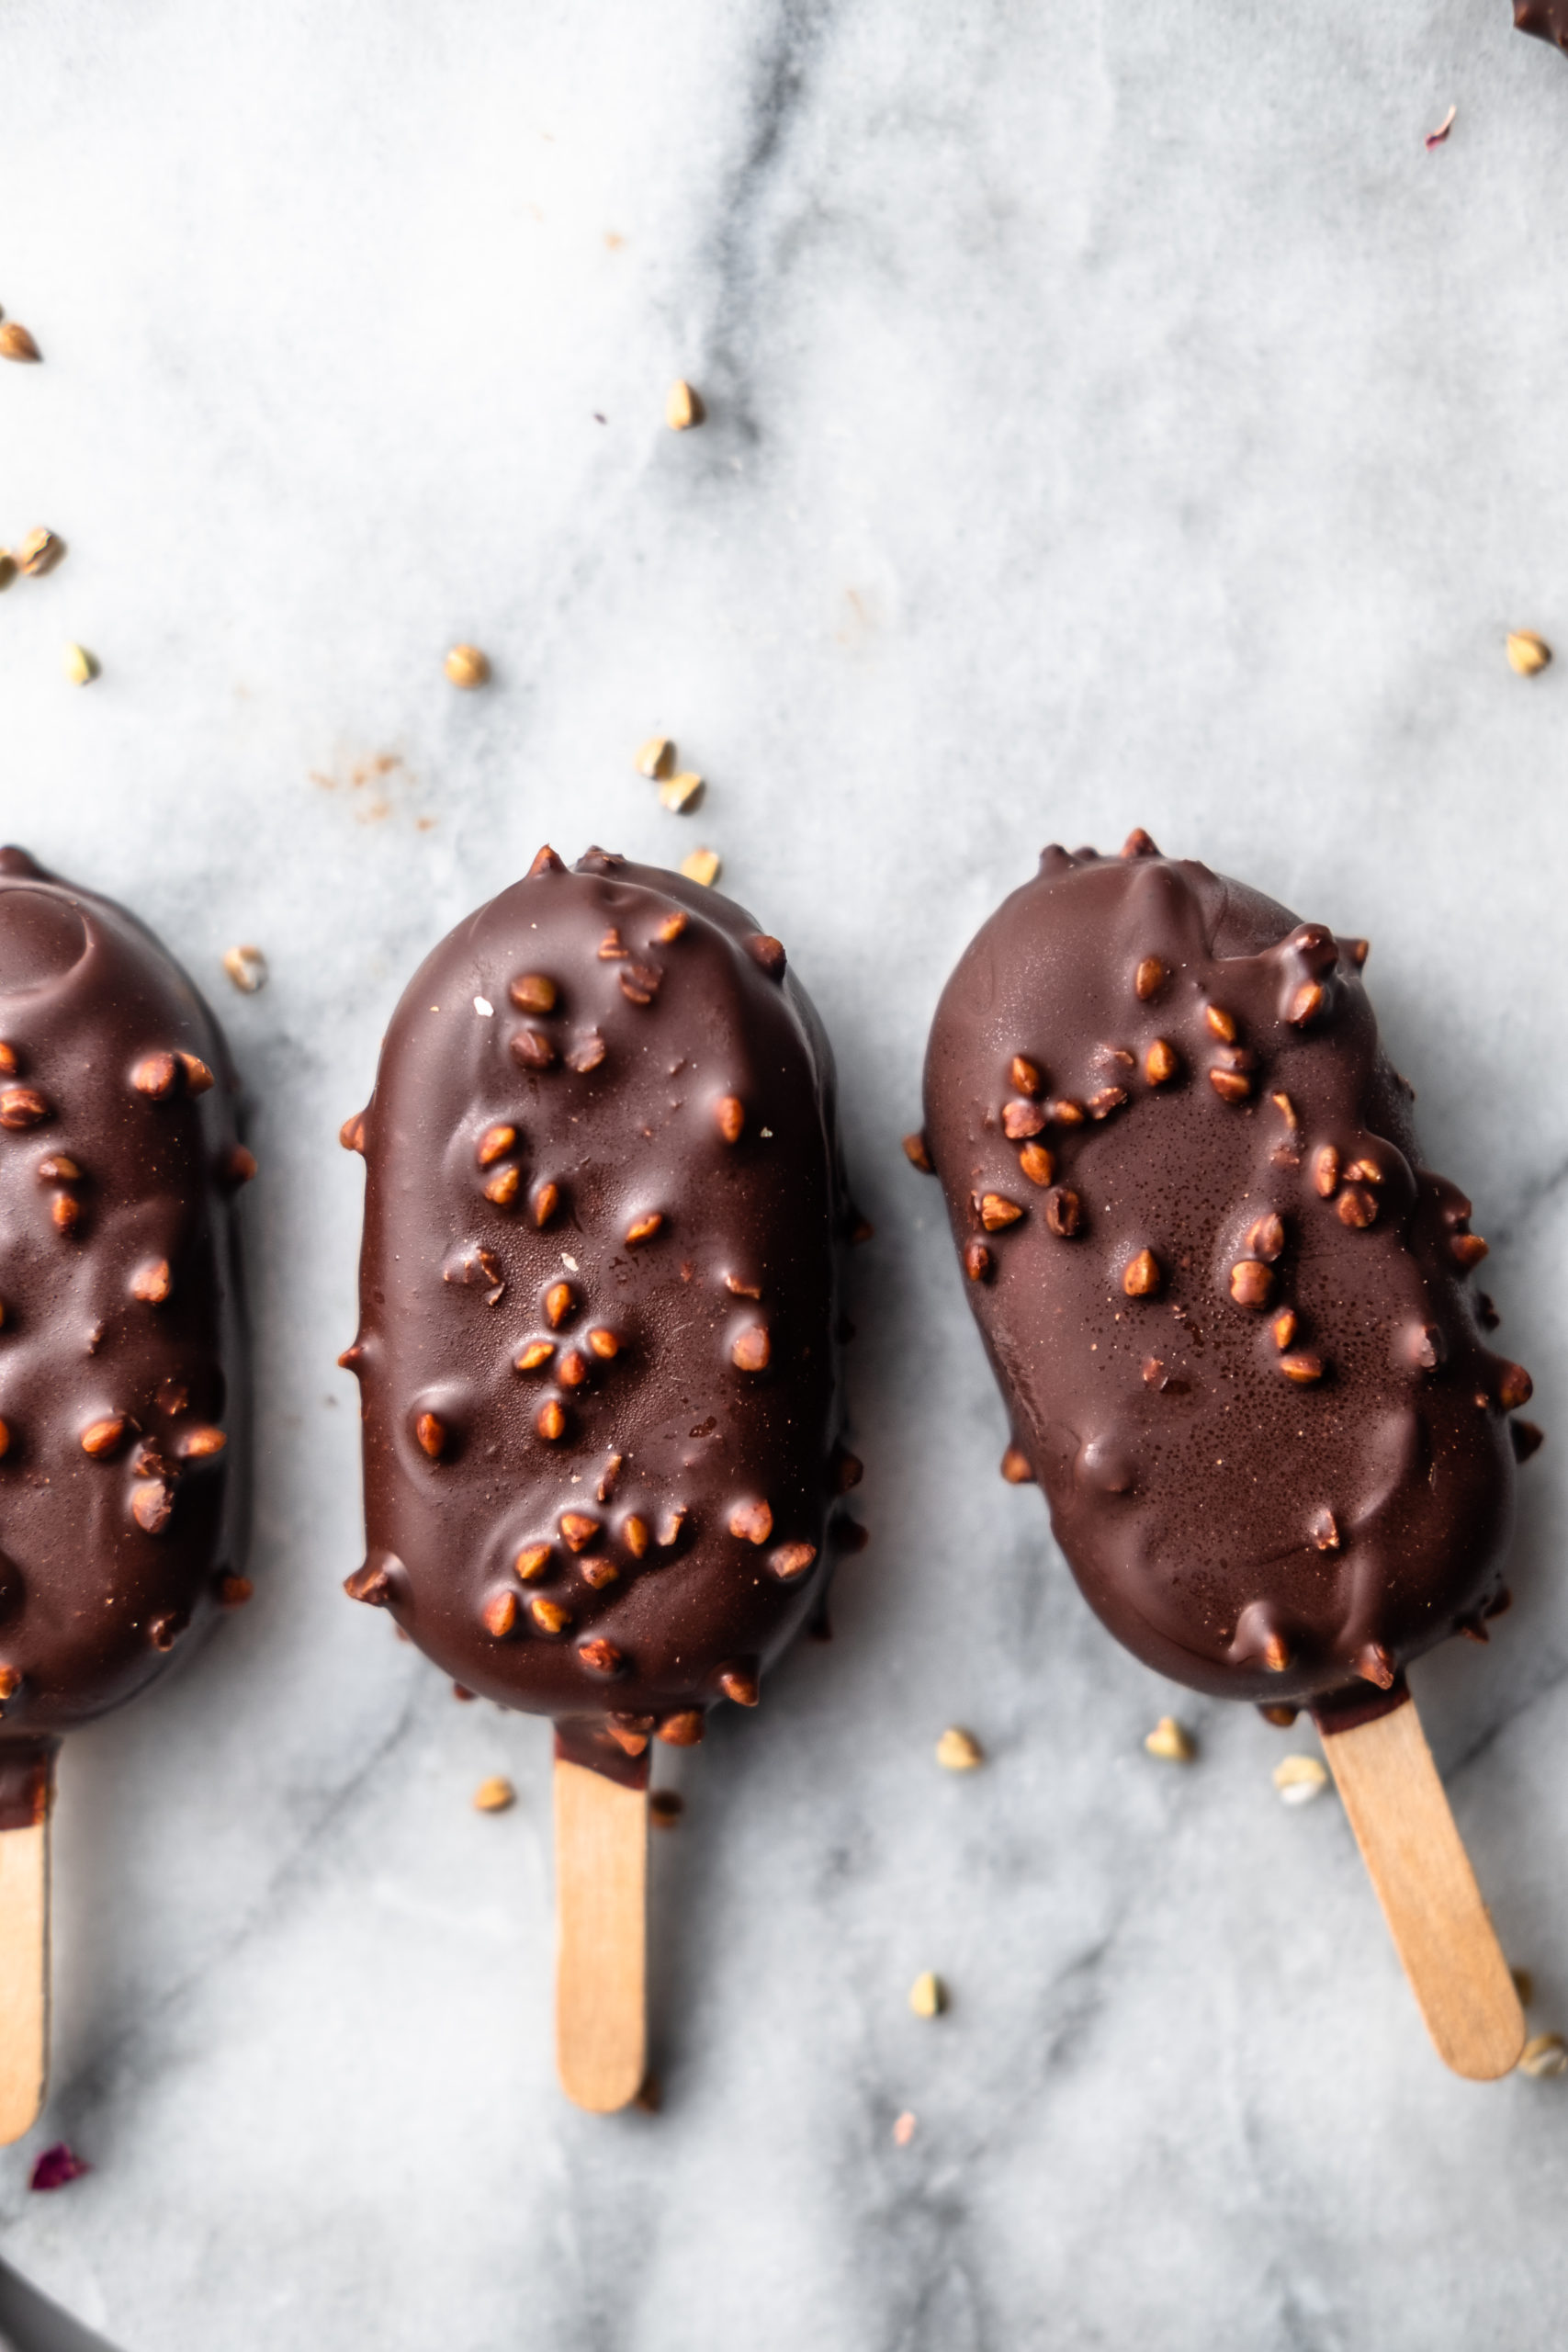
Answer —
1231 1312
597 1344
123 1400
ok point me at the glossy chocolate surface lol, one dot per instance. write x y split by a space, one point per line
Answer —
598 1304
1228 1308
122 1371
1548 19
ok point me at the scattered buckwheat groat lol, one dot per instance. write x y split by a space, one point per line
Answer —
1527 655
597 1352
466 666
16 343
1231 1315
683 407
123 1391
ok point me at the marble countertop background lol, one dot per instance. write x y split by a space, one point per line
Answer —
1116 415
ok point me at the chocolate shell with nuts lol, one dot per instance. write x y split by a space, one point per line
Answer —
123 1387
1229 1309
598 1302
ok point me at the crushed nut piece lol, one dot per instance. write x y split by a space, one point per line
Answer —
702 865
656 758
1545 2054
680 794
1171 1742
494 1795
927 1995
246 966
958 1750
16 343
1300 1779
683 406
40 552
1527 652
917 1153
467 666
79 666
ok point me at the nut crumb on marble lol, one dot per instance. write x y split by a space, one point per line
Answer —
1300 1779
958 1750
467 667
246 966
79 666
1544 2055
1527 653
927 1995
683 406
494 1795
1171 1742
702 865
680 794
656 758
904 2130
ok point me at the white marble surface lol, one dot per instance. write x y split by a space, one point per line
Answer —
1116 415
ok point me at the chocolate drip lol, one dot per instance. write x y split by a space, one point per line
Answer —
1225 1302
26 1781
123 1399
597 1348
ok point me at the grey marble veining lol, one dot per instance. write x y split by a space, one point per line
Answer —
1115 416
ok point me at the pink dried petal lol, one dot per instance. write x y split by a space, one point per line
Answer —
56 2166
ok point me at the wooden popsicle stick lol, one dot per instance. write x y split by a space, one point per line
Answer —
1422 1876
24 1950
601 1938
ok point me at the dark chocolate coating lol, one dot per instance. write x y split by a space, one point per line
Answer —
642 1058
1548 19
123 1390
1265 1508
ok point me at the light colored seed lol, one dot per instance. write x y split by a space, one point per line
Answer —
40 552
246 966
1171 1742
494 1795
549 1615
1527 652
467 667
1141 1278
1544 2056
680 794
16 343
702 865
80 667
927 1995
1300 1779
958 1750
683 406
1161 1062
1149 980
655 757
1037 1163
1222 1022
532 1561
